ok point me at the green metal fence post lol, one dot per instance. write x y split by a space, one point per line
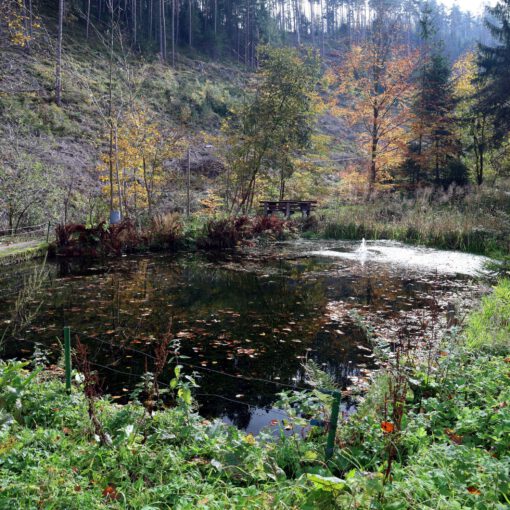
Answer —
67 356
335 411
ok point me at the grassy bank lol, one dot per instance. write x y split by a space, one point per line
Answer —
438 438
432 433
477 222
21 252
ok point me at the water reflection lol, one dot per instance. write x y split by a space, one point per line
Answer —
242 316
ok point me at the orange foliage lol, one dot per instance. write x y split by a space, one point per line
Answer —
374 94
387 427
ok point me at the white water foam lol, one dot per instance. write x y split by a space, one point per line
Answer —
426 259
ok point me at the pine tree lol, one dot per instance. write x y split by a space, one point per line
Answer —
494 63
433 140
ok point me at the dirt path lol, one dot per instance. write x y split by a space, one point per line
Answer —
23 250
14 247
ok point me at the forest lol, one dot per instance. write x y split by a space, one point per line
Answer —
254 254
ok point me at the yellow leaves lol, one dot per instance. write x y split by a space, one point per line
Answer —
212 203
137 157
249 439
17 20
464 72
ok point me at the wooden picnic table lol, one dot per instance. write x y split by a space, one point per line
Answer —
288 207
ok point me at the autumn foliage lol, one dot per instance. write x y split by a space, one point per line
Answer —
227 233
77 240
373 93
134 170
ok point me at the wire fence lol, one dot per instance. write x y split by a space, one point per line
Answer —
25 229
163 384
194 366
26 232
332 423
180 361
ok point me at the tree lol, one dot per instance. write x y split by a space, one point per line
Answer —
141 151
374 95
434 125
433 142
29 191
271 129
494 74
477 129
19 20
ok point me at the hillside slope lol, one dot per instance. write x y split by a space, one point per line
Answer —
66 143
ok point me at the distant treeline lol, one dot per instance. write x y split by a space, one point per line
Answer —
234 28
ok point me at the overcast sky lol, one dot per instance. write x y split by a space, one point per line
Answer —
475 6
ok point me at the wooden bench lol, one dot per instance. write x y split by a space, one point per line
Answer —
288 207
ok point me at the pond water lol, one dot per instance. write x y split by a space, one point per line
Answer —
246 322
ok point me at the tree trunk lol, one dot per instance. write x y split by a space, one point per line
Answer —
148 188
322 28
173 33
110 106
372 174
110 164
30 20
151 16
312 26
133 16
58 67
297 21
162 30
190 28
215 20
117 174
436 178
88 19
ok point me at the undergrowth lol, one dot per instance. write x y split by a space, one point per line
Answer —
432 434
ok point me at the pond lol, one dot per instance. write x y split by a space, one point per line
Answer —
245 322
